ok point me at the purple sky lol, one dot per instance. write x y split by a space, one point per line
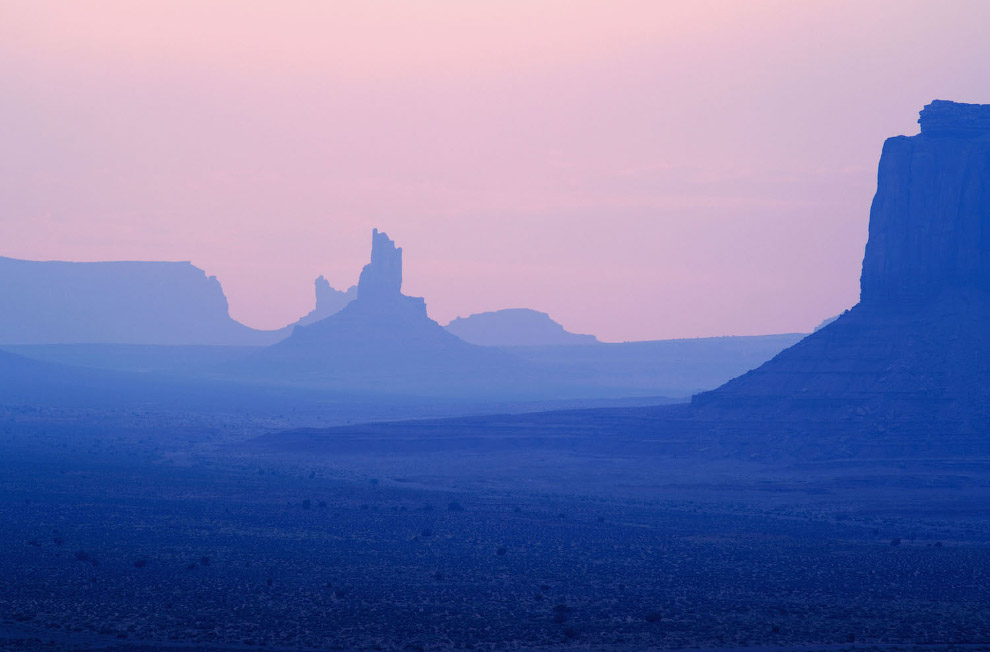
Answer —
638 169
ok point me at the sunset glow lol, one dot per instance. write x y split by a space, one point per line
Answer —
637 169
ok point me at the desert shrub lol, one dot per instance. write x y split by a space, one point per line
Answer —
455 507
653 617
82 555
571 632
140 563
205 561
427 532
306 504
501 551
896 541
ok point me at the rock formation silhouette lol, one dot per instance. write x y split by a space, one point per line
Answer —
382 340
126 302
381 279
908 368
514 327
329 301
929 223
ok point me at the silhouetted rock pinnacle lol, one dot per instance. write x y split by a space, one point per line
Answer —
382 338
329 301
382 277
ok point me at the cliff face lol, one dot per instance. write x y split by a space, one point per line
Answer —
930 220
906 370
116 302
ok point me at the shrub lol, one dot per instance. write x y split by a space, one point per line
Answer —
140 563
82 555
501 551
455 507
653 617
896 541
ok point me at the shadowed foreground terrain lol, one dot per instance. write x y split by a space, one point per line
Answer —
116 538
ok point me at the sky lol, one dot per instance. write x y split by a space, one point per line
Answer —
637 169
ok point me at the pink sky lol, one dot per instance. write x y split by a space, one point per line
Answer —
638 169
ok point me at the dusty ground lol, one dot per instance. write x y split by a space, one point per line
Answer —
118 537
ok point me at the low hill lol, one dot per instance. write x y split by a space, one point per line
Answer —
515 327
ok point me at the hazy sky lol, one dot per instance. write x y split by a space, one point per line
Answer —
638 169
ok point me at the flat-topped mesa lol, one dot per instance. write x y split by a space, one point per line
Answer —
382 277
944 118
930 219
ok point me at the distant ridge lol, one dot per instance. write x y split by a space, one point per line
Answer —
125 302
514 327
